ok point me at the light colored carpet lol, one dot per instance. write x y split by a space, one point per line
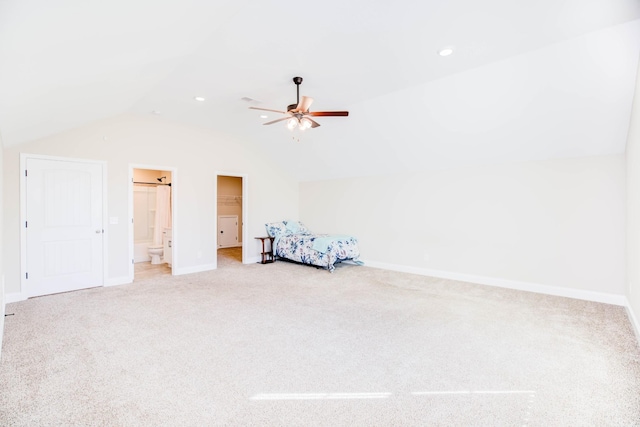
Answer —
283 344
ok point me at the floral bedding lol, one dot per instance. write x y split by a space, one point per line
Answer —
295 242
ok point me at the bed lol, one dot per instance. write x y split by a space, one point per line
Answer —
294 242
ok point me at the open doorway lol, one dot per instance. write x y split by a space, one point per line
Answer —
230 219
152 222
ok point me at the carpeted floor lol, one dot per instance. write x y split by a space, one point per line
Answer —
283 344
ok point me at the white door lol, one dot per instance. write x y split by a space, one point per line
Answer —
63 226
227 231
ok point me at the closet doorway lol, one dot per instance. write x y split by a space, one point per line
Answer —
230 208
152 232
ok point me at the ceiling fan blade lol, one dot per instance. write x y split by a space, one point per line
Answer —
276 121
267 109
329 113
314 124
304 104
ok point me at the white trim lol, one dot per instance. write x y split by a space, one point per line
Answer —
105 222
14 297
634 321
3 306
174 214
245 210
509 284
194 269
253 260
116 281
23 212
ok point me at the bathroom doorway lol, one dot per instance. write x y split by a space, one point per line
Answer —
151 205
230 220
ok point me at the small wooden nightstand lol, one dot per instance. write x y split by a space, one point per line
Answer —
267 255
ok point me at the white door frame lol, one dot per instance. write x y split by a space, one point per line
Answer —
174 214
23 214
245 212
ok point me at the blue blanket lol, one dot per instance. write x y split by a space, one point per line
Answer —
321 244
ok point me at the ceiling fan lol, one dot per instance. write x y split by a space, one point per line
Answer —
298 114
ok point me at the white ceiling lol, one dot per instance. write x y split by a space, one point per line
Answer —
528 80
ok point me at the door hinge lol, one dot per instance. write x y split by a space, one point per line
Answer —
132 262
25 224
25 172
26 275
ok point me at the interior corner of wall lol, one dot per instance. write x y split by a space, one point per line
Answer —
633 318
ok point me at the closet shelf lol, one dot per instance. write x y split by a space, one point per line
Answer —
229 199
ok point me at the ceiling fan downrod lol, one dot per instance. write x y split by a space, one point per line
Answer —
297 81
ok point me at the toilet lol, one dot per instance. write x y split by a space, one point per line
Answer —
155 252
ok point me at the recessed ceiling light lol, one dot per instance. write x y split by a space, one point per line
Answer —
263 116
445 51
199 98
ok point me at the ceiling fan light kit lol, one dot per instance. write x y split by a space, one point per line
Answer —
298 114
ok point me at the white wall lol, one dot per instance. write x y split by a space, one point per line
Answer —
555 223
633 208
195 153
2 280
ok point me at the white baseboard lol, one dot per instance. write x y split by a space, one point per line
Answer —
605 298
116 281
2 313
19 296
634 321
14 297
193 269
252 260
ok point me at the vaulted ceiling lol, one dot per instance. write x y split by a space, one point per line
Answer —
527 80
